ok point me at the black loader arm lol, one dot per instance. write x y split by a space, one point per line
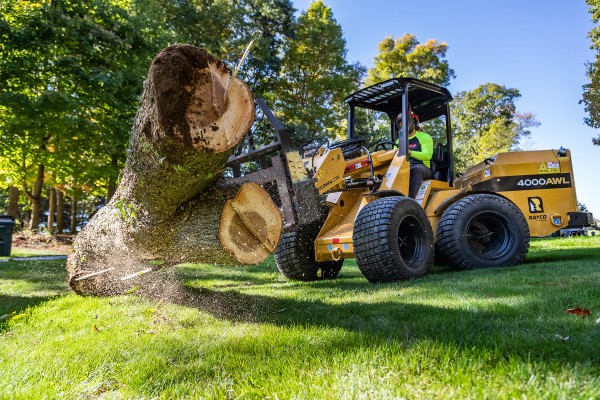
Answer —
268 157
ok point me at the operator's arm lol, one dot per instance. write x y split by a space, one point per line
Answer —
426 147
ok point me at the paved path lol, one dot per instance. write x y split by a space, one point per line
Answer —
34 258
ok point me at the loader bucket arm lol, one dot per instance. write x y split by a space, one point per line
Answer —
269 157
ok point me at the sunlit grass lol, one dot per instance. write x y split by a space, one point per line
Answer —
32 252
248 333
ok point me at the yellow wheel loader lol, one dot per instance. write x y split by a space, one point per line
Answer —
346 200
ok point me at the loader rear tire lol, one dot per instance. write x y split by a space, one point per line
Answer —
482 231
393 240
295 257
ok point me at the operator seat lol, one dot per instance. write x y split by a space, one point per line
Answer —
440 163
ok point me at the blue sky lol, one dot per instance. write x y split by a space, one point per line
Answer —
537 46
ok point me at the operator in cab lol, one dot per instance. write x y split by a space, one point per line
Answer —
420 151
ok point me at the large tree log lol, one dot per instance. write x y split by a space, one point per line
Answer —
169 203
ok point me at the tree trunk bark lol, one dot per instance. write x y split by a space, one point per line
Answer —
169 203
35 198
51 209
13 201
73 227
60 209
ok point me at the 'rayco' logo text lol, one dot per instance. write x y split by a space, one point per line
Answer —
543 181
538 217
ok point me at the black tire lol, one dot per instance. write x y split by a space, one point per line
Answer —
439 259
482 231
393 240
295 257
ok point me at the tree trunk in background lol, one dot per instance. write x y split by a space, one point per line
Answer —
60 209
112 182
35 198
169 203
51 209
13 201
73 227
82 208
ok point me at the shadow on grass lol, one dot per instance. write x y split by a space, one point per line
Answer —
17 304
505 330
9 304
502 329
40 281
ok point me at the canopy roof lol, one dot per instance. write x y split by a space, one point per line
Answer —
427 100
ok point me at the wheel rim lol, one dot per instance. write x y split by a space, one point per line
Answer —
489 236
411 239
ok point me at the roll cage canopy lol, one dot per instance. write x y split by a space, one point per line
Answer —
426 100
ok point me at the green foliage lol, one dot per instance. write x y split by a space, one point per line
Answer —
582 207
316 76
270 23
486 122
127 212
72 73
406 57
224 28
591 90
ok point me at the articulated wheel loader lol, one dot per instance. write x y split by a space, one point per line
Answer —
343 200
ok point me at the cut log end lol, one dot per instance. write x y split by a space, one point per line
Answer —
198 101
251 224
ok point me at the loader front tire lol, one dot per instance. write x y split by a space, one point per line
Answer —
295 257
393 240
482 231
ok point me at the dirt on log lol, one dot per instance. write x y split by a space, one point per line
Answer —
168 205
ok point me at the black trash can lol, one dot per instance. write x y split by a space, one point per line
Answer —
7 223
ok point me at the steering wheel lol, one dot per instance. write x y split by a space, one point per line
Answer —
383 144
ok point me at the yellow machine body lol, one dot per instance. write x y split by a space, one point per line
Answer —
539 183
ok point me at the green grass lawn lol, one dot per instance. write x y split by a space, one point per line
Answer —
228 332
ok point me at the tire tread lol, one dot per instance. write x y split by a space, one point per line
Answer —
294 257
370 237
447 239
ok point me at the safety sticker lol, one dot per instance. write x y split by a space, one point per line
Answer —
390 176
549 167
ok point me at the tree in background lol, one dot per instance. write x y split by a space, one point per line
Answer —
406 57
591 91
225 28
316 76
72 76
270 23
72 73
486 122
